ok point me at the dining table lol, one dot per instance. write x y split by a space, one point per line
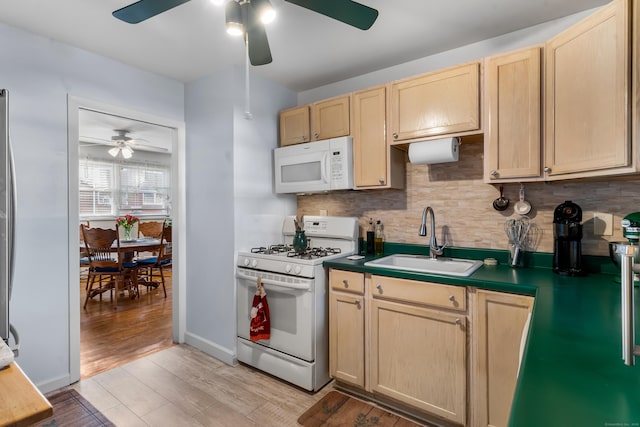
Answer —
129 248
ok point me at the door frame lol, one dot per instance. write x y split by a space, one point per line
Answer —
178 213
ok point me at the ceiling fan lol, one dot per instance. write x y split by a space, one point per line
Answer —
247 17
124 144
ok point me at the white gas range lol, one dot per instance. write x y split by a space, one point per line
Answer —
297 293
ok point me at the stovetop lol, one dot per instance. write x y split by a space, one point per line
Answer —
288 251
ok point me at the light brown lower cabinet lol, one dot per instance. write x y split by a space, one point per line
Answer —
499 321
346 327
433 350
418 357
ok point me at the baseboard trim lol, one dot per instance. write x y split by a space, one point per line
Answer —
223 354
54 384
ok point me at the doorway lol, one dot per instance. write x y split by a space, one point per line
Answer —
94 129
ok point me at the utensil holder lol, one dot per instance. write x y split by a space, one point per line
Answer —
516 255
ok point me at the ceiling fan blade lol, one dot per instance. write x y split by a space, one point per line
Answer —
145 9
347 11
259 52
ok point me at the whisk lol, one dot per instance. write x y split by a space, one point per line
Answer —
517 231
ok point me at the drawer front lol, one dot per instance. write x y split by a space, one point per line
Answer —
417 292
347 281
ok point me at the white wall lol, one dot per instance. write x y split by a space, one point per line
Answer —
229 197
39 74
511 41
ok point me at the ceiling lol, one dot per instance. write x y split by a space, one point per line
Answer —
96 129
309 50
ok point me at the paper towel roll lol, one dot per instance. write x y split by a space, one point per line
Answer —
435 151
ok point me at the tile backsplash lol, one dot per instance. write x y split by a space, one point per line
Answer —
462 203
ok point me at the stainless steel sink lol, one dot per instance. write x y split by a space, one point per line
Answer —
425 264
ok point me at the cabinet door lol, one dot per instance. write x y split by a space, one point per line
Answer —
418 357
587 80
330 118
437 103
499 321
294 126
369 137
512 131
346 337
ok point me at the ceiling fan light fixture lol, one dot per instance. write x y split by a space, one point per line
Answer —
127 152
114 151
233 15
266 12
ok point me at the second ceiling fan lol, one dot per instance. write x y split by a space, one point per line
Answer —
245 17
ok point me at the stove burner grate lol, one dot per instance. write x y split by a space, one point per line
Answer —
312 253
273 249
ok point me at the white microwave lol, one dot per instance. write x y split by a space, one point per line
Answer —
314 166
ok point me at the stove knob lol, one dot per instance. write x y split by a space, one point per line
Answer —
254 263
287 268
246 262
297 270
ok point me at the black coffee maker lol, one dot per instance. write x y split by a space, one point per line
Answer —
567 233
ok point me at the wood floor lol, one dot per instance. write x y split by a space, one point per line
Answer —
182 386
139 327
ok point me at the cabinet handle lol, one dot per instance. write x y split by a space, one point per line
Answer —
304 138
547 169
395 135
357 302
346 283
494 174
452 298
316 135
458 322
379 287
381 180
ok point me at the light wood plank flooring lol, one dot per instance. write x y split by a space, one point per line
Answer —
138 327
181 386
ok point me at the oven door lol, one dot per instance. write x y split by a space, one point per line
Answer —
291 310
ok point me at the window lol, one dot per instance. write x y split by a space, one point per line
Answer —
110 189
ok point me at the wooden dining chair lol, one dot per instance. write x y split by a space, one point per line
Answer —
154 267
84 259
150 229
106 271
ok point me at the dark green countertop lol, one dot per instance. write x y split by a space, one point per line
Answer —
572 372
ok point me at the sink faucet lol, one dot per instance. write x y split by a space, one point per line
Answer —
434 249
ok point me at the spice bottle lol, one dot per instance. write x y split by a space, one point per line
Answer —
379 239
370 238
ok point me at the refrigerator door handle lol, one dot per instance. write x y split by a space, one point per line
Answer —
11 188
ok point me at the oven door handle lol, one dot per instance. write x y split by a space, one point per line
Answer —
299 286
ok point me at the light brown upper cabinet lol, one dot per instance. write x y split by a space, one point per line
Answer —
325 119
330 118
512 142
587 97
294 126
376 164
438 103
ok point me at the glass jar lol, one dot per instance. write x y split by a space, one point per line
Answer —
300 242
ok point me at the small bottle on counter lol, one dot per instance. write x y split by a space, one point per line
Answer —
370 238
379 239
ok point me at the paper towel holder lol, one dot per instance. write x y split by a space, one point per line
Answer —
432 151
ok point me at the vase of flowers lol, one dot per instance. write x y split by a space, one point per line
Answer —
127 223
